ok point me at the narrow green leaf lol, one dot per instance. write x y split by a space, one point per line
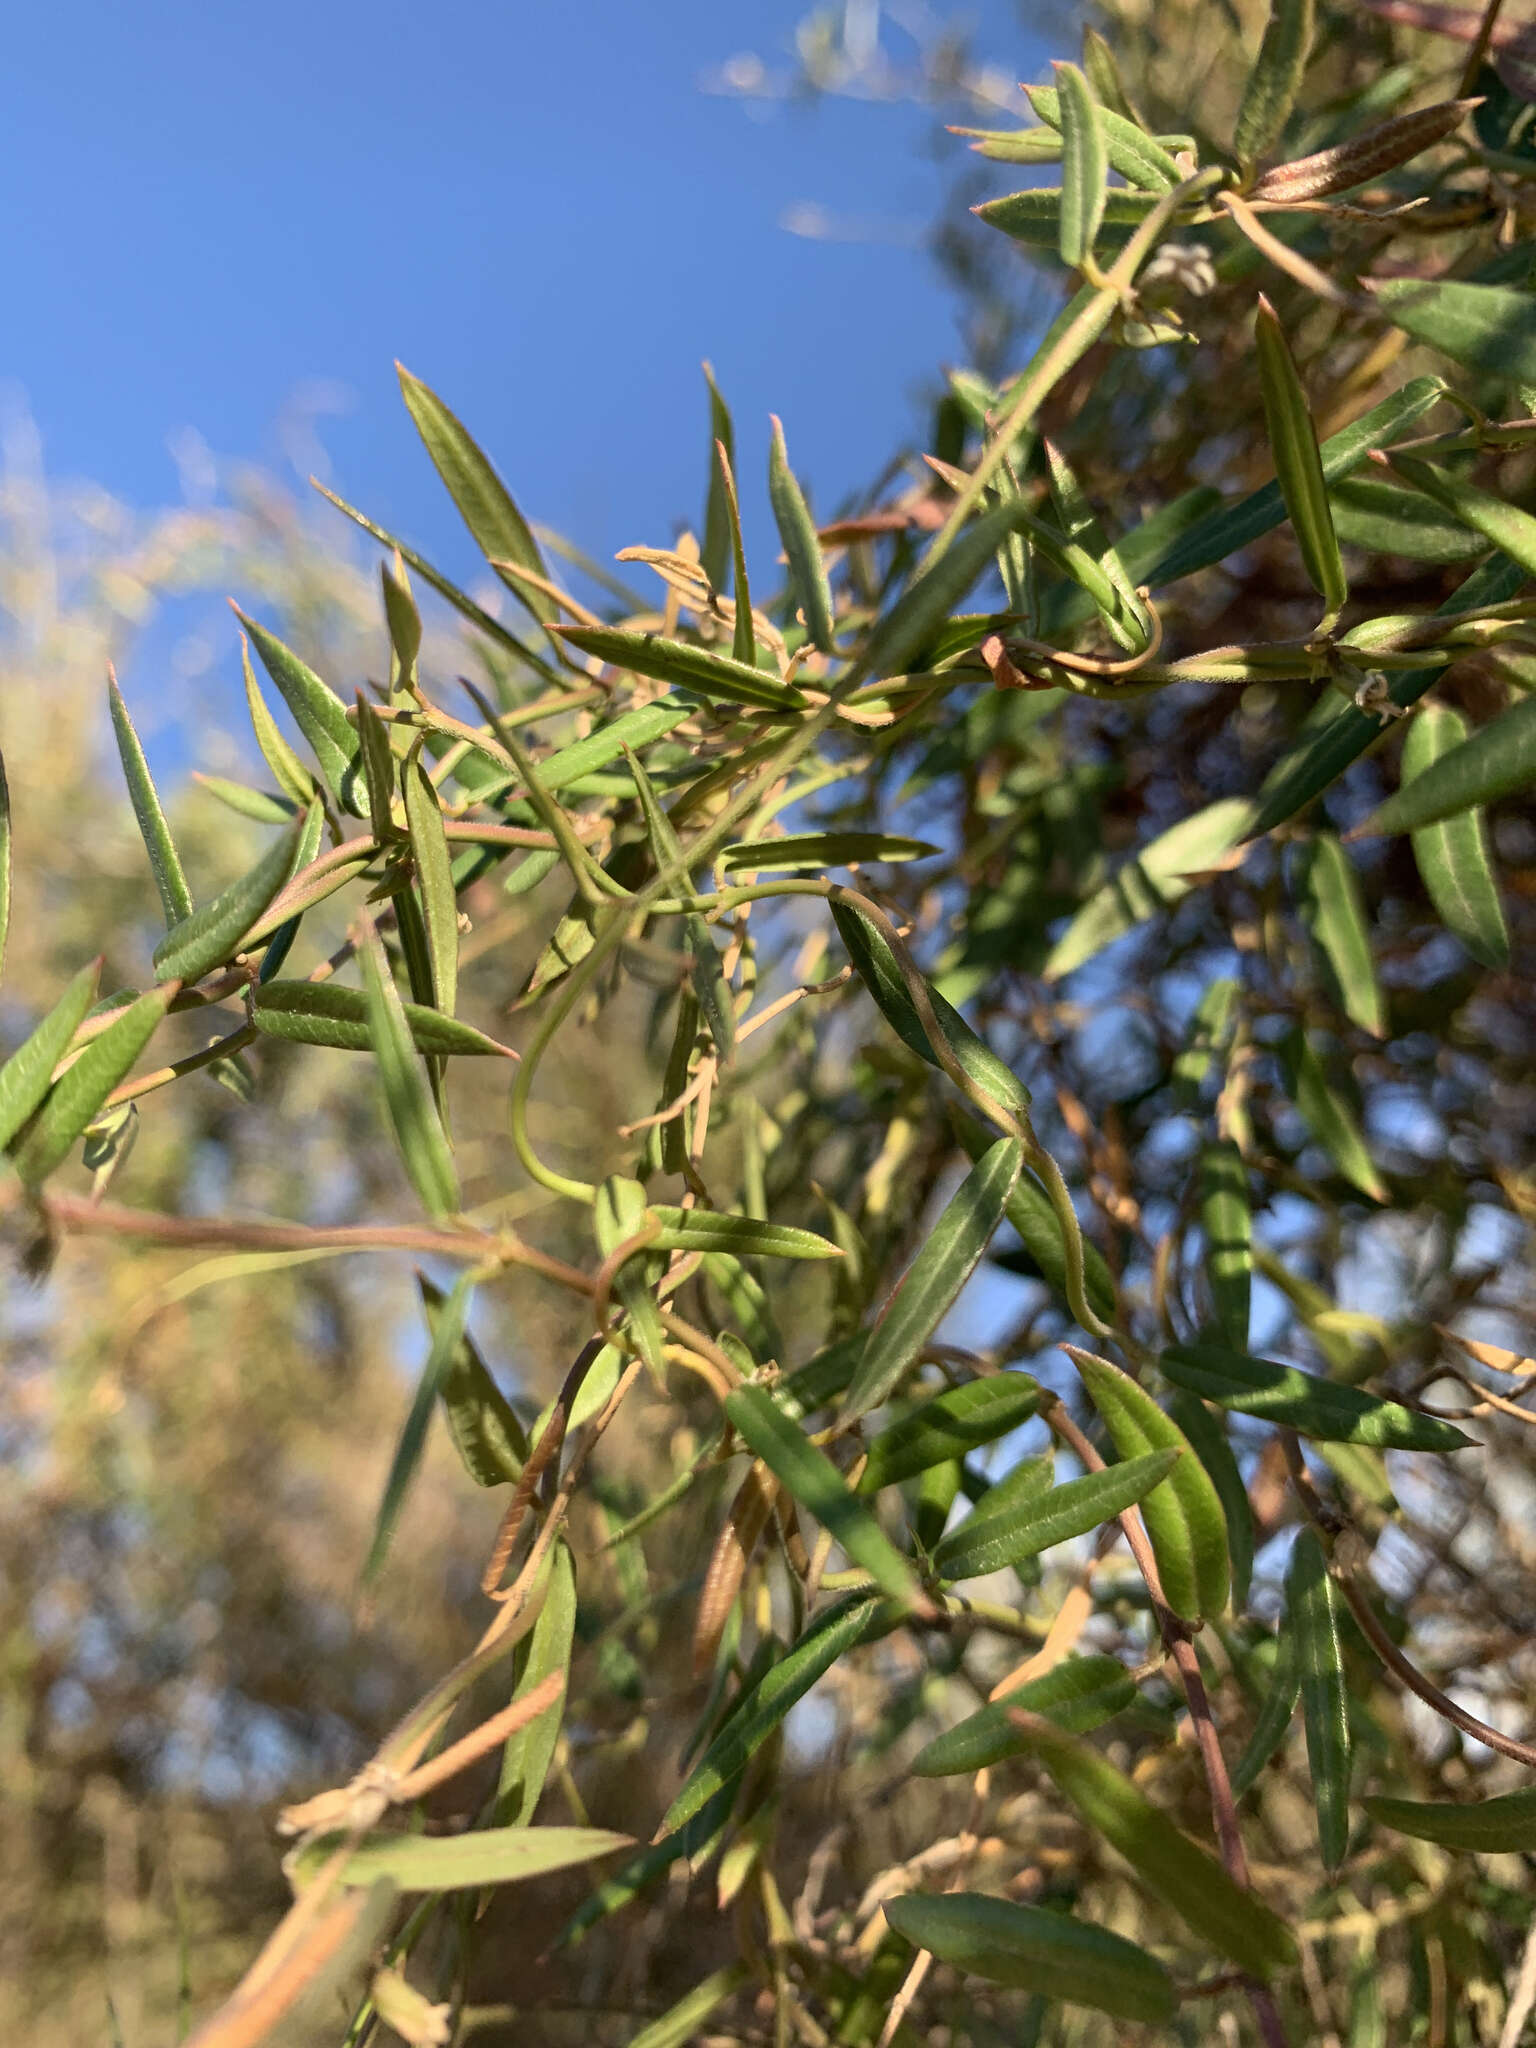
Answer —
485 504
715 676
1210 1033
814 852
797 530
1130 151
25 1077
1505 525
1041 1252
407 1098
1223 532
280 943
875 965
1084 167
1498 760
434 879
375 764
684 2021
818 1485
1385 520
1208 1440
1184 1516
1333 909
1312 1609
1151 881
831 1636
448 1863
1034 216
318 712
1276 1707
1322 755
1275 78
1452 856
711 990
1485 327
710 1230
78 1094
930 1284
1087 550
164 860
1184 1876
325 1013
404 624
993 1538
630 731
743 633
1035 1949
959 1420
528 1754
1227 1220
1079 1694
716 547
447 1335
1302 1401
1103 74
293 778
490 1440
250 803
211 936
1505 1826
929 599
1328 1116
1298 463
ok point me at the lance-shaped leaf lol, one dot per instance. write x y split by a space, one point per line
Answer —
293 778
1314 1407
993 1538
485 504
407 1098
434 880
1079 1694
1322 755
1452 856
1133 153
1084 167
1210 1033
164 860
631 730
1485 327
1041 1250
250 803
818 1485
959 1420
709 1230
25 1077
1363 157
1208 1440
710 986
325 1013
1035 1949
716 547
1153 880
715 676
528 1754
876 966
797 530
1298 463
837 1630
1122 610
1034 216
212 935
1328 1117
743 633
1505 525
447 1335
490 1440
404 623
1227 1220
83 1087
1184 1516
1329 898
1275 78
1276 1706
1223 532
318 712
1498 760
929 599
1505 1826
375 764
1184 1876
448 1863
684 2021
930 1284
1383 519
1312 1612
815 852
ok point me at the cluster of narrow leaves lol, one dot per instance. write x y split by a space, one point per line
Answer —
720 753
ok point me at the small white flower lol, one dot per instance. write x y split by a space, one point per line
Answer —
1373 696
1186 266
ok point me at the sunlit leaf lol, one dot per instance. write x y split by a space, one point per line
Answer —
446 1863
413 1117
1227 1221
1298 463
1485 327
1138 157
1184 1516
1084 167
1302 1401
931 596
1499 522
325 1013
1333 908
995 1537
447 1336
930 1284
250 803
1079 1694
1381 517
814 852
1153 880
1275 78
1498 760
490 1440
1312 1611
1328 1116
164 861
529 1752
434 880
1452 856
1208 1440
716 547
958 1420
715 676
1035 1949
1503 1826
711 1230
1361 158
802 549
318 712
212 935
25 1077
1034 216
78 1094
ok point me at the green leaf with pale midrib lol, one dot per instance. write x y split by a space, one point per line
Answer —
25 1077
1499 760
1312 1610
211 936
164 860
325 1013
1505 1825
959 1420
987 1541
690 668
443 1863
80 1091
1079 1694
1453 857
1304 1402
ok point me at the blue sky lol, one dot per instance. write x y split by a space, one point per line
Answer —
218 213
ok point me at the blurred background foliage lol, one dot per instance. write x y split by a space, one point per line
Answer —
193 1445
